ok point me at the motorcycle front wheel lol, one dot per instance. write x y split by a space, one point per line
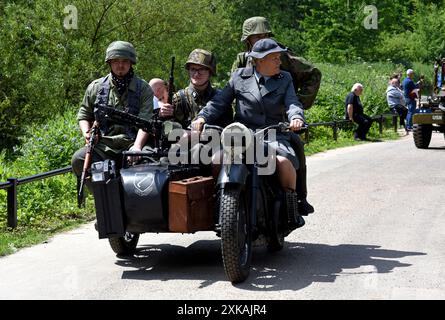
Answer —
236 235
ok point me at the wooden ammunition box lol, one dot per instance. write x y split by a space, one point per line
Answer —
191 204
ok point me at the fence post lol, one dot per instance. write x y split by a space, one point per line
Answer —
381 124
12 203
334 128
394 122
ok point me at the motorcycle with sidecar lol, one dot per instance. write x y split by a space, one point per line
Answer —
243 206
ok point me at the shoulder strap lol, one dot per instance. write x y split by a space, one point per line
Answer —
134 102
102 99
104 91
185 106
134 98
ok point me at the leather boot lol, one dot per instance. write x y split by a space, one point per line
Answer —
294 218
304 207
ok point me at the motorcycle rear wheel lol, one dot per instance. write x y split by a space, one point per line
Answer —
276 237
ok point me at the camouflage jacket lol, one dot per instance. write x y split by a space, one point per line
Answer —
305 76
116 139
188 102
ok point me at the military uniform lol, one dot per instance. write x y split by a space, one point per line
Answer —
188 102
116 139
136 99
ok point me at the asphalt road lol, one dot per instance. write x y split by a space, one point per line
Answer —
378 233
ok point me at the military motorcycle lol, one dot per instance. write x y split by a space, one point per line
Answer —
156 196
251 203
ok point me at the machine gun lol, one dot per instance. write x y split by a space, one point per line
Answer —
153 126
94 135
114 115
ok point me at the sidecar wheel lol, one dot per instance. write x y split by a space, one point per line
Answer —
236 235
126 245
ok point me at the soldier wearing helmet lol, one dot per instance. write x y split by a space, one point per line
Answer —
120 89
187 102
306 80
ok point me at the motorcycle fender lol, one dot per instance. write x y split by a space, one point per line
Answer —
234 174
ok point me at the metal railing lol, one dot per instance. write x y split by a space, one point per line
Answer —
337 124
12 183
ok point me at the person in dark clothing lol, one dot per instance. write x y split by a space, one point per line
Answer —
354 112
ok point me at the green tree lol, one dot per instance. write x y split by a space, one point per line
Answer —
46 67
335 30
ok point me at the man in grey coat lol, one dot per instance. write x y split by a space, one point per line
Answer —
264 96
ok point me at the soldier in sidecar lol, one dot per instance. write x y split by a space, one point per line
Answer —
154 194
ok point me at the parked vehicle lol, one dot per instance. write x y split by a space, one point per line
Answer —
430 116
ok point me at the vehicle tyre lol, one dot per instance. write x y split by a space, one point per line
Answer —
236 235
422 135
276 239
126 245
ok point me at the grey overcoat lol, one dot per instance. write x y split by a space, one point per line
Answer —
275 102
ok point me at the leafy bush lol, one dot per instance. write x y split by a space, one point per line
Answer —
44 148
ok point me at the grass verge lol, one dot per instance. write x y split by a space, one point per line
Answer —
321 139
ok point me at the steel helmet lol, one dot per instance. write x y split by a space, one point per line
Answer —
121 50
255 25
202 57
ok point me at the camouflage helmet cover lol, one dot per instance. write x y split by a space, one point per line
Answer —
202 57
121 50
255 25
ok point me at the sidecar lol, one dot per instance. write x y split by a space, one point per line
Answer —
153 196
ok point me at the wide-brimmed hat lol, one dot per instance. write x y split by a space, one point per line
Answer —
264 47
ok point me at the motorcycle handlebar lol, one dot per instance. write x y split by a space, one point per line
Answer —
209 126
283 127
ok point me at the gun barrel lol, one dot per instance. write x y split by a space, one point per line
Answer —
171 86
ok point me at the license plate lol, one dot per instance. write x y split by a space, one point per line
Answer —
437 117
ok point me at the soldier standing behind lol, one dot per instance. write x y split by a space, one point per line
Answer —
120 89
306 80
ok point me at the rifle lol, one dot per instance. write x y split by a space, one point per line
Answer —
94 132
171 80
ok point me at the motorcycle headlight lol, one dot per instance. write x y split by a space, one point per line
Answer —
236 138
